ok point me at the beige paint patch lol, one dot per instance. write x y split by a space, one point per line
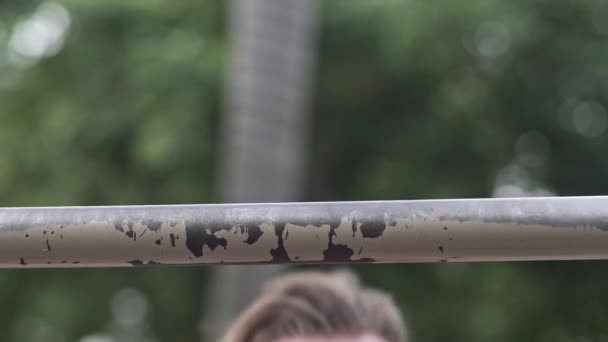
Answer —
306 243
71 245
406 240
422 241
237 250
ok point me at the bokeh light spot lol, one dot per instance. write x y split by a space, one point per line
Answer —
589 119
41 35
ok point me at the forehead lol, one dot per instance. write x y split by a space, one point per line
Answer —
362 338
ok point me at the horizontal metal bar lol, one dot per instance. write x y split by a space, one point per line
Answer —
555 228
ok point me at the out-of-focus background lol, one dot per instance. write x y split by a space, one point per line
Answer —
157 101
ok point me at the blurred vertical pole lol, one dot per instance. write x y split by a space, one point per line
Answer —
265 129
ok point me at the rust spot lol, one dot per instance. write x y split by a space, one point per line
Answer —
337 252
153 225
197 237
279 254
372 230
118 227
22 261
254 232
136 262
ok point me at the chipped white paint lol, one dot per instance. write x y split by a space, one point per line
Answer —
306 242
239 250
392 231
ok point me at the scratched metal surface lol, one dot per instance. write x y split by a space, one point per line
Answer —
558 228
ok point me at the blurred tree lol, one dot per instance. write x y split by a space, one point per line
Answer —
106 102
452 99
265 131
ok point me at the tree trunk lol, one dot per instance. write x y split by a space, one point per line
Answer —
265 130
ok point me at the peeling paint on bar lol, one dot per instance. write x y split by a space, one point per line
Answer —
553 228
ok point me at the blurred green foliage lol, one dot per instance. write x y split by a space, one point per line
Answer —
414 99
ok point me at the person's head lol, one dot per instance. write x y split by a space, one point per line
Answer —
319 307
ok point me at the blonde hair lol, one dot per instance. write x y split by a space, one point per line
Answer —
318 304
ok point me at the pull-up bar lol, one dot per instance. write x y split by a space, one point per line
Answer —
554 228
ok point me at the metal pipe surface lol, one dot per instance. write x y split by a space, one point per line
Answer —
552 228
